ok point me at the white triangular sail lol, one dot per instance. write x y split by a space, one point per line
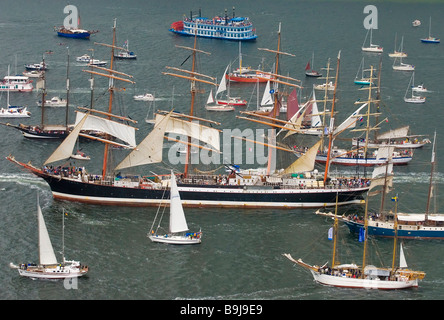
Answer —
315 119
178 222
210 99
350 122
306 162
223 83
116 129
267 99
46 251
150 149
192 129
64 150
402 261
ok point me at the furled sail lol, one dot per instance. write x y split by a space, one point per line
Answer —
306 162
46 251
116 129
64 150
178 222
194 130
150 149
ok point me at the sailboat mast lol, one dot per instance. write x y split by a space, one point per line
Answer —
67 92
395 238
364 255
193 97
43 95
335 233
332 120
431 178
110 104
63 236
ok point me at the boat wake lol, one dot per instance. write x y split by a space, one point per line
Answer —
23 179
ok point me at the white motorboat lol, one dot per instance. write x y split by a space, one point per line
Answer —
53 102
144 97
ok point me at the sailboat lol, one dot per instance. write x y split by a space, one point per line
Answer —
414 98
400 53
402 66
13 111
177 230
43 130
430 39
309 72
374 48
365 276
363 80
246 74
233 191
399 138
48 266
211 104
425 225
229 101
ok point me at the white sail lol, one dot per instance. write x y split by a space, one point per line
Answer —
64 150
267 98
150 149
306 162
315 119
116 129
178 222
402 261
296 121
223 83
192 129
46 251
350 122
210 99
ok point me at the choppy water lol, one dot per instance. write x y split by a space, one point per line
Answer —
240 256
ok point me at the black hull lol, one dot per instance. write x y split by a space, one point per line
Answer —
201 196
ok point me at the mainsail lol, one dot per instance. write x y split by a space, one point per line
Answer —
178 222
46 251
150 149
305 162
192 129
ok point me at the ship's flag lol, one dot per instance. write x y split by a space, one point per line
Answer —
330 233
361 234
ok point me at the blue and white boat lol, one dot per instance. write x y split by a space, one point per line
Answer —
430 39
234 28
74 33
407 225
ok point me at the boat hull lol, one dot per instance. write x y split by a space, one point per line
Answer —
173 239
407 232
369 162
194 195
82 35
358 283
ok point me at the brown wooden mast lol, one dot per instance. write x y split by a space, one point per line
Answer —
193 77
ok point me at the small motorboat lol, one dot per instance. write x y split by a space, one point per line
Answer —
144 97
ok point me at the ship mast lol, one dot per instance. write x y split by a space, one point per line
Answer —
332 121
193 77
111 89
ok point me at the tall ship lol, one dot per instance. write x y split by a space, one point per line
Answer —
219 27
299 186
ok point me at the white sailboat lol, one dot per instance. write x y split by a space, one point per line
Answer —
374 48
177 231
402 66
363 80
212 106
365 276
230 101
414 98
49 267
400 53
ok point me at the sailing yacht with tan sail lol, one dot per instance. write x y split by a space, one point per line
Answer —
366 276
